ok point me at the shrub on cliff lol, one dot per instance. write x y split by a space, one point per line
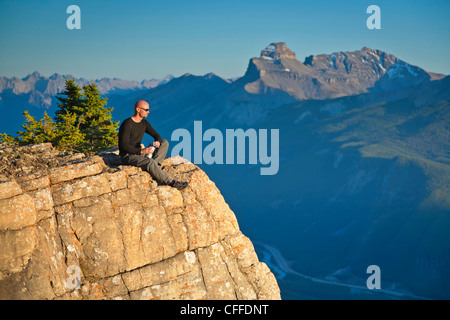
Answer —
83 123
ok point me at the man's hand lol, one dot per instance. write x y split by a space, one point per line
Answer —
147 150
156 144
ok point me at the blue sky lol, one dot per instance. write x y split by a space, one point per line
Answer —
138 40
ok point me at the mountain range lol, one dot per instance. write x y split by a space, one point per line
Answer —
364 161
37 93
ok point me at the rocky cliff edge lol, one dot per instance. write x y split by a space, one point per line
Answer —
76 227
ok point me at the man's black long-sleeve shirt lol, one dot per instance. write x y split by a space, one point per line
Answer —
131 134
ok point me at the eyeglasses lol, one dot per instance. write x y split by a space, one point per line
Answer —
146 110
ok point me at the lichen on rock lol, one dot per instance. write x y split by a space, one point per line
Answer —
76 227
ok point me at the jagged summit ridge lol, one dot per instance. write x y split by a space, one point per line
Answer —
273 79
327 76
276 51
276 78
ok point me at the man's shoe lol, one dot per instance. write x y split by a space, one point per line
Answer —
179 184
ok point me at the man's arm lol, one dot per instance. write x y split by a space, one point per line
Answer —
153 133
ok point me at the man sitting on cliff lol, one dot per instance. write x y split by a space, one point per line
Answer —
131 132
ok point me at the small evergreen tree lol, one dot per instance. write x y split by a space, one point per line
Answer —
97 122
4 137
71 101
68 136
36 131
82 123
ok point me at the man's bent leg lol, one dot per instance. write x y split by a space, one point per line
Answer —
157 173
160 153
148 165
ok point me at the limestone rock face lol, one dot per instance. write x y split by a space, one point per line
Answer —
76 227
277 51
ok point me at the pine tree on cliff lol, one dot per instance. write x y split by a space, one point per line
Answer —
82 123
86 115
97 125
40 131
71 102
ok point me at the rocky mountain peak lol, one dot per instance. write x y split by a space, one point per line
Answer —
34 75
277 78
276 51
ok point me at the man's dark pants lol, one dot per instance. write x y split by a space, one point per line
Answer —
152 166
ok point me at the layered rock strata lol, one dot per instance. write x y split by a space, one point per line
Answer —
76 227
